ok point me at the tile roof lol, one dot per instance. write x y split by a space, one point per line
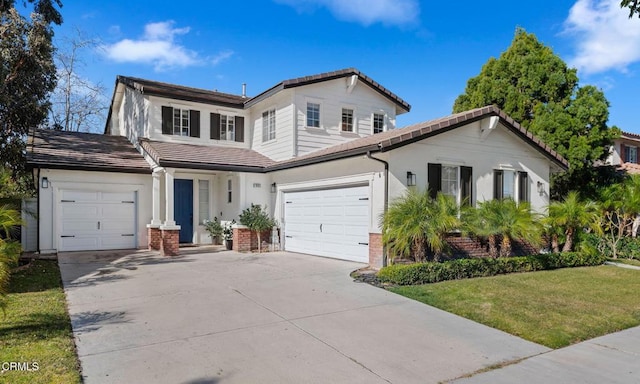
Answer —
179 155
402 136
236 101
84 151
629 135
630 168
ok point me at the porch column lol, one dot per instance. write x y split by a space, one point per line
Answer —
156 197
168 185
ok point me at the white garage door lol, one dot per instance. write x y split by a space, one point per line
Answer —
92 220
328 222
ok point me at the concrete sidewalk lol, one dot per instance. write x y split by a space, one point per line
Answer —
613 358
278 317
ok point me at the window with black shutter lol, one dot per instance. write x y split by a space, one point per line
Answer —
434 179
523 187
498 184
466 186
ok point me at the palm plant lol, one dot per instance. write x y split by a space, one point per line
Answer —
568 216
416 223
9 250
505 219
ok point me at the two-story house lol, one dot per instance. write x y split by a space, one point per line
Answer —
321 152
624 153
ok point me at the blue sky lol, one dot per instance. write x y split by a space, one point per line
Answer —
424 51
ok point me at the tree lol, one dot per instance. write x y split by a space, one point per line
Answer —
568 216
620 207
534 86
9 249
257 220
416 223
27 76
76 103
634 7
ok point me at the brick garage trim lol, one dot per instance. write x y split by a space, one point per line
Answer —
375 250
244 240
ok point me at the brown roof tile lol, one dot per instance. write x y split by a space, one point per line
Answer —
205 157
84 151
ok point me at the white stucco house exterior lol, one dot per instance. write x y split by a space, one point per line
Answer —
624 153
322 152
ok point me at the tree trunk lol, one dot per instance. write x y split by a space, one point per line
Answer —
568 244
634 227
505 247
555 247
259 243
493 251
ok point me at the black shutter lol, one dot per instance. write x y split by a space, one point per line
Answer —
497 184
523 187
239 129
194 120
167 120
215 126
434 179
466 185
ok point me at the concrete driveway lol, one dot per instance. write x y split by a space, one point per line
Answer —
280 317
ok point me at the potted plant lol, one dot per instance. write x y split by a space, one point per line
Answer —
214 227
227 233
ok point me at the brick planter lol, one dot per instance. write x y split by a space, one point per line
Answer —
245 241
170 242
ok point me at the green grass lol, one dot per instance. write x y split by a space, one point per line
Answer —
553 308
36 328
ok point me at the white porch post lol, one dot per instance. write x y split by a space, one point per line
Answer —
155 218
168 184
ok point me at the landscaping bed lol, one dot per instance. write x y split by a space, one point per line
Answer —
36 328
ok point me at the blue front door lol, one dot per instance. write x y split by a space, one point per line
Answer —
183 208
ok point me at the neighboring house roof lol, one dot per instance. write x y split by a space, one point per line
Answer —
630 136
84 151
192 156
348 72
395 138
630 168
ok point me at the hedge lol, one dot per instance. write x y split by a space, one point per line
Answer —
433 272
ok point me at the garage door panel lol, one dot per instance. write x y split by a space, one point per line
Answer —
344 215
91 220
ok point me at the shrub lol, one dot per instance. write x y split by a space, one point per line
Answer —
433 272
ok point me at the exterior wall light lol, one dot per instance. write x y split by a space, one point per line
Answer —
45 183
540 188
273 188
411 179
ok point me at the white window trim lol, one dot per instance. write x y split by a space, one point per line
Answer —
227 117
384 121
457 180
181 109
627 154
266 137
201 219
229 190
354 124
306 113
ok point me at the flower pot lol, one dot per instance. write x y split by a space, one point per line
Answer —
228 244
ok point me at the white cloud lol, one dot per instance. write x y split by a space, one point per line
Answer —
158 47
606 39
365 12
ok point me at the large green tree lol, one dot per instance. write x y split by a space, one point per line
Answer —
27 75
634 7
536 87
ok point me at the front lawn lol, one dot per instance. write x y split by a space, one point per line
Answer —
553 308
36 329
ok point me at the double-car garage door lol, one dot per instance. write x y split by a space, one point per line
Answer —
328 222
93 220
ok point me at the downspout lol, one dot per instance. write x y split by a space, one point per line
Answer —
386 193
38 212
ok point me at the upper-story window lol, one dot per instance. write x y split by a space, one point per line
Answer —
347 120
268 125
227 128
630 154
313 115
378 123
180 121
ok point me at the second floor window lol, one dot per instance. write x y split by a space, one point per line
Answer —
378 123
181 122
313 115
347 120
268 125
630 154
227 128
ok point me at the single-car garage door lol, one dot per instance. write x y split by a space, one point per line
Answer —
328 222
92 220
